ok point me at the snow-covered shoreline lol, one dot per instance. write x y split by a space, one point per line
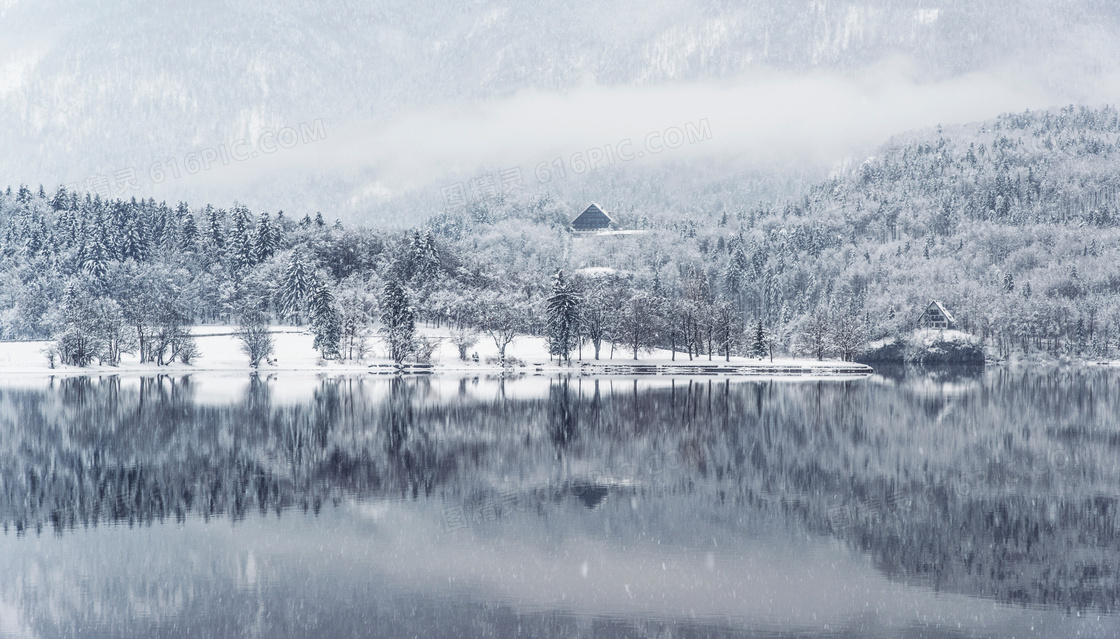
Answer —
220 352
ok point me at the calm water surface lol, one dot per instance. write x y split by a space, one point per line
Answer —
948 504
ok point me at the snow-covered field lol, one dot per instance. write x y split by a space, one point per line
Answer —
220 351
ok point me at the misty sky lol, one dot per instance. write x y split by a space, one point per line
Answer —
204 102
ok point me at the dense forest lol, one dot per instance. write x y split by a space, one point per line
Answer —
1014 224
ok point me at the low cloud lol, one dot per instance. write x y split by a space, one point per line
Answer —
765 119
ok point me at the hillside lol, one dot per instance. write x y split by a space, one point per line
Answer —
1013 223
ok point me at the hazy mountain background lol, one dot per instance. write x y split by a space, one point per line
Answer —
415 96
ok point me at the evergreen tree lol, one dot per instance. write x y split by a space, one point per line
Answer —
759 343
61 199
267 239
215 234
423 256
563 307
188 234
296 286
134 243
95 258
325 321
241 250
398 323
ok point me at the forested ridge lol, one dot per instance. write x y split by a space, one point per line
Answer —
1011 223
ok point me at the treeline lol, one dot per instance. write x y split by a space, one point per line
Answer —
105 279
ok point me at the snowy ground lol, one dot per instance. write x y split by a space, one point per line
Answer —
220 350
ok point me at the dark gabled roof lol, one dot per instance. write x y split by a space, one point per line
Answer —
592 217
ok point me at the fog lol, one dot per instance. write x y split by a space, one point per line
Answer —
413 101
765 119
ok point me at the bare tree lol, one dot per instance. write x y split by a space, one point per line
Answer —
849 335
596 317
256 341
426 346
638 321
502 320
727 325
463 339
816 333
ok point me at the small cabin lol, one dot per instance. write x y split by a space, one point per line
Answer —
593 218
936 316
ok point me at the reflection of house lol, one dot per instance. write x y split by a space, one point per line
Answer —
593 218
936 316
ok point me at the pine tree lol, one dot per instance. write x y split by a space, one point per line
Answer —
95 257
758 346
215 234
188 234
240 244
325 321
398 323
563 307
134 243
267 240
157 231
296 287
60 200
319 221
424 260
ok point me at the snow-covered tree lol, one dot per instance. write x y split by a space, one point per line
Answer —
325 321
188 234
595 320
848 334
563 307
252 331
241 252
463 339
398 324
638 321
267 239
502 318
816 334
296 287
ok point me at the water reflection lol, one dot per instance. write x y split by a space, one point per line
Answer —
906 503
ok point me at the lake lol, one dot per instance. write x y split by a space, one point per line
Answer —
951 503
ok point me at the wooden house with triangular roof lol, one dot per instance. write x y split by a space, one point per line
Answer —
593 218
936 316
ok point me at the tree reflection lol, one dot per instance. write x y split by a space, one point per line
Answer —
1001 484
